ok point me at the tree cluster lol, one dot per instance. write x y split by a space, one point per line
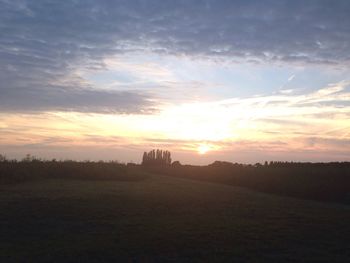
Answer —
156 157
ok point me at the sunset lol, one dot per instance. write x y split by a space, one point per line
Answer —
241 94
114 79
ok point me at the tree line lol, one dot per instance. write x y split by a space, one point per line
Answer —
32 168
317 181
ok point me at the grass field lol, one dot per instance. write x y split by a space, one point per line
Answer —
165 219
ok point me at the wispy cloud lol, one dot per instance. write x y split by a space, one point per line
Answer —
287 91
291 78
275 124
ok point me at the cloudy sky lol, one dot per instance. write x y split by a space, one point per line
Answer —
242 81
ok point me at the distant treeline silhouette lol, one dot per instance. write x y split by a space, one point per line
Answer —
156 157
318 181
32 168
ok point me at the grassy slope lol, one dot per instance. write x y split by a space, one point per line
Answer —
164 219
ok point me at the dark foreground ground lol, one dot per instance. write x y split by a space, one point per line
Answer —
165 219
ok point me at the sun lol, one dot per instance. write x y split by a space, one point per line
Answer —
203 148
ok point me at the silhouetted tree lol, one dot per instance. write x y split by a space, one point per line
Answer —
144 158
156 157
3 158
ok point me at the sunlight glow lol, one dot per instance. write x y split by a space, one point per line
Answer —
203 148
262 123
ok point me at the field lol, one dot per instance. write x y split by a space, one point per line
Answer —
165 219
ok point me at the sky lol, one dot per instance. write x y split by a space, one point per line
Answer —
239 81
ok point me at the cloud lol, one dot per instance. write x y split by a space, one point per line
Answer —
313 31
285 117
310 126
77 100
43 41
287 91
291 78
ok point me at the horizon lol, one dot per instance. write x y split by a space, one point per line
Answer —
30 158
244 82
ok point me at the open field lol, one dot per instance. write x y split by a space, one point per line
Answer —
165 219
